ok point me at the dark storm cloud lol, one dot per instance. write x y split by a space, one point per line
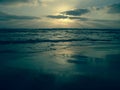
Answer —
114 9
7 17
7 2
76 12
57 16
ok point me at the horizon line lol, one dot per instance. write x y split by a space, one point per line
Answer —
61 28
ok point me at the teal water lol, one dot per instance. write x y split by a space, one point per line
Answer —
59 59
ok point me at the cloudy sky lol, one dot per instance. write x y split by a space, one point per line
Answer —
59 13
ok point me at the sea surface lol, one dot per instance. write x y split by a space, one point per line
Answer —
59 59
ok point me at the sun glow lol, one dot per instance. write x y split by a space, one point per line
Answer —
63 8
63 22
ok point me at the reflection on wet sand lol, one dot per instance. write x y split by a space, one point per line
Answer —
64 67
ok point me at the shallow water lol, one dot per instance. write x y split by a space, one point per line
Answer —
56 59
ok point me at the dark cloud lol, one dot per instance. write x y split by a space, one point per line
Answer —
7 2
7 17
69 17
71 14
57 16
76 12
101 20
79 18
114 9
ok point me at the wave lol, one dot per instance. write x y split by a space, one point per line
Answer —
55 41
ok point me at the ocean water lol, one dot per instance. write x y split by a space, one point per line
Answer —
59 59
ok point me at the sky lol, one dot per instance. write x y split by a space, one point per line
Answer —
59 13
